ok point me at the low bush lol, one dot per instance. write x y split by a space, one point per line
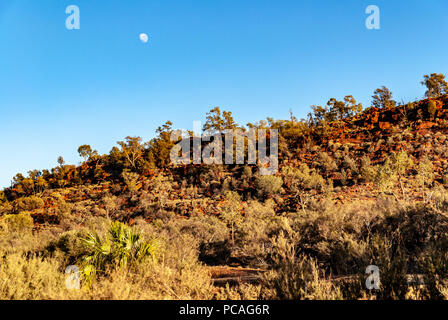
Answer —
269 186
123 246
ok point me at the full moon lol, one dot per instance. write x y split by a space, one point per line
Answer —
144 37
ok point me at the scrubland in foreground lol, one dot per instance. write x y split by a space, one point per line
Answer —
305 255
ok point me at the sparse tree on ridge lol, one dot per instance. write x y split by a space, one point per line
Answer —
217 121
382 98
343 109
61 161
160 147
132 150
436 85
85 151
319 115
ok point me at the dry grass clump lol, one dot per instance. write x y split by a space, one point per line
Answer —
32 278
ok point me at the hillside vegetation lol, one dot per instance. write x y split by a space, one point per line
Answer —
355 187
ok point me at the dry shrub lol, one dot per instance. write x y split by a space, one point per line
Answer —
20 223
337 235
16 233
269 185
28 203
434 264
393 265
255 233
32 278
327 162
244 291
6 208
296 277
154 281
67 247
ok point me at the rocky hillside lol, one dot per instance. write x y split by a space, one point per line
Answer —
342 162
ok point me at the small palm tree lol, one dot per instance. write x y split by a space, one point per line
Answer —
124 246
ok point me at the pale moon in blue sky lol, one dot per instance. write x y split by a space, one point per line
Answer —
144 37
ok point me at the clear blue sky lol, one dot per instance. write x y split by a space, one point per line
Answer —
60 89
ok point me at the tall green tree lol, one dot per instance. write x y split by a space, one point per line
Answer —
436 85
231 211
217 121
160 147
85 151
319 115
61 161
343 109
382 98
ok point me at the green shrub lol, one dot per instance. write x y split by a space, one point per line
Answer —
231 211
401 162
130 179
269 185
121 248
392 171
425 173
327 162
28 203
344 177
69 245
385 178
19 223
255 232
303 178
368 172
432 108
350 163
